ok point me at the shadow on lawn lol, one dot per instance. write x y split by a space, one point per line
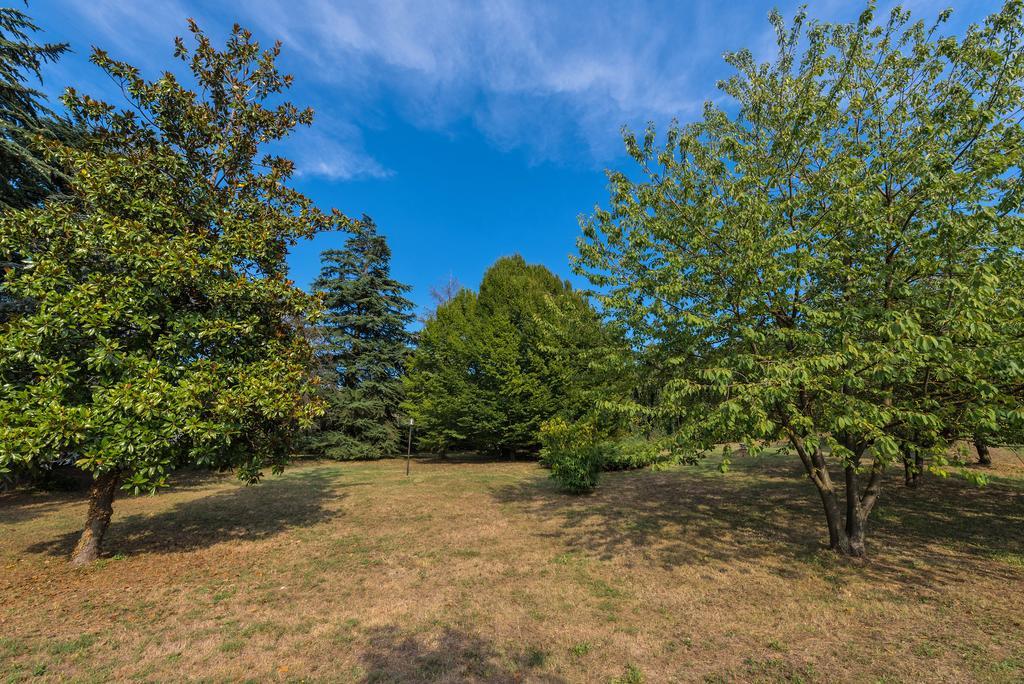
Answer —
454 656
21 506
766 510
472 458
239 514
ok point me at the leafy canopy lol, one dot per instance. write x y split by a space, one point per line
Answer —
163 329
490 367
835 258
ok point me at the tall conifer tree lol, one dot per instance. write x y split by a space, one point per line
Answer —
363 347
25 177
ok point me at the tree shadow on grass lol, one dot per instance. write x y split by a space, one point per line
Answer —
452 656
239 514
29 501
472 458
766 510
23 505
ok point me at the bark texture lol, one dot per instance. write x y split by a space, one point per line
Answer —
846 528
101 507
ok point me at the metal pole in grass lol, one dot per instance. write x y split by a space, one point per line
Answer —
408 453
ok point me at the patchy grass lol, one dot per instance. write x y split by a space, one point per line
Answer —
475 570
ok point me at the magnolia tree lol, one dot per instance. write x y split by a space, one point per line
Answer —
833 258
161 330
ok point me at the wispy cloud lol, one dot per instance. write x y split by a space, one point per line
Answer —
333 150
555 79
136 26
535 75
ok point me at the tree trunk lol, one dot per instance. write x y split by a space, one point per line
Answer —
846 534
817 472
834 519
101 507
913 466
984 458
855 514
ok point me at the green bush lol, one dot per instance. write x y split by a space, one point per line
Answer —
573 452
632 453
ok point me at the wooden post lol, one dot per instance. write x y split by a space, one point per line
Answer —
408 452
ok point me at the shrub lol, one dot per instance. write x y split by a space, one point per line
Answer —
573 452
632 453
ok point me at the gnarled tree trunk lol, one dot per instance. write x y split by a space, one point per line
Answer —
101 507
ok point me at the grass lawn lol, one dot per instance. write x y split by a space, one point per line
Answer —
481 571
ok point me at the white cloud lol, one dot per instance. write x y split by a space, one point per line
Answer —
528 74
547 77
333 150
128 25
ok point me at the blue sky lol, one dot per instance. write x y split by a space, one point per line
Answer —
467 130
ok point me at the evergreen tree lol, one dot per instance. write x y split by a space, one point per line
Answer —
491 367
446 384
363 346
25 177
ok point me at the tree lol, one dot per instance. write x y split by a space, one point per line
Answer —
161 329
26 178
446 392
491 367
442 293
363 346
835 260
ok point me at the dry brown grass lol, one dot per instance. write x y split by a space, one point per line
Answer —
481 571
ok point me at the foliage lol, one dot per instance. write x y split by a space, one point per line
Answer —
162 330
835 260
26 178
574 452
446 388
491 367
630 453
362 348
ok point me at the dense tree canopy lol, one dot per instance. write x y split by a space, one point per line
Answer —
490 367
835 259
26 178
362 348
161 330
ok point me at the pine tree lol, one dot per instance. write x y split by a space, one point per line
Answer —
25 178
363 346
